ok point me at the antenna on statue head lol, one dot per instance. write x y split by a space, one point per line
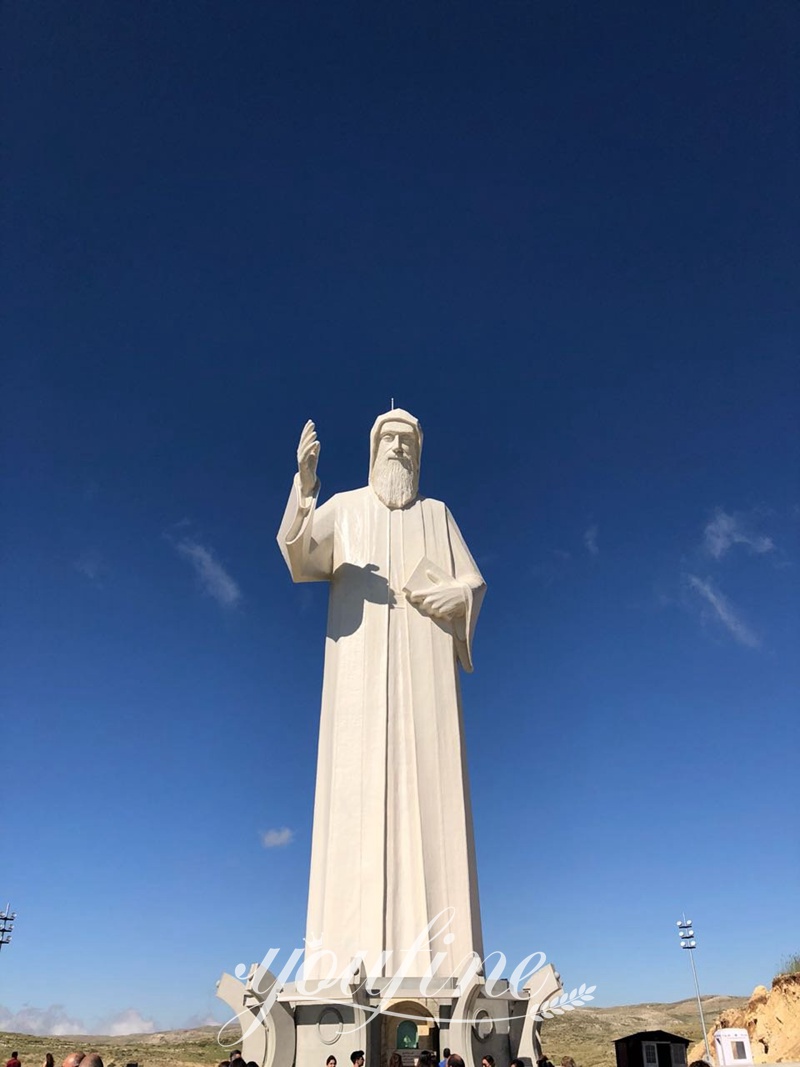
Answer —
391 406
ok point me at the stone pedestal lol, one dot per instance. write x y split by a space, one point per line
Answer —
298 1029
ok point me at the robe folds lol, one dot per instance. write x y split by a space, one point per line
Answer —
392 843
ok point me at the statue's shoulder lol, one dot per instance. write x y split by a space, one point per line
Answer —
430 503
351 497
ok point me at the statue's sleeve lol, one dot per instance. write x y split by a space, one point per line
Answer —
466 571
305 537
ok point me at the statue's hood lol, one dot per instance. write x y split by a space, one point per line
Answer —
395 415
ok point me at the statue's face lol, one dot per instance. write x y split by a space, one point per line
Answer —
395 471
398 443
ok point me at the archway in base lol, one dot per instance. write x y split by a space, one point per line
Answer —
394 1033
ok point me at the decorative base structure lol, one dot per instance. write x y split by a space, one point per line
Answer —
296 1029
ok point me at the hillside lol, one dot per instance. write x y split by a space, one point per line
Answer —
586 1034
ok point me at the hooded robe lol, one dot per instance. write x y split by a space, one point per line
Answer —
392 843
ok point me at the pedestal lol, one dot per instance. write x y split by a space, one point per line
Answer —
300 1027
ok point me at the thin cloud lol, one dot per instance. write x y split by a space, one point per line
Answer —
213 577
552 569
277 838
129 1021
195 1022
723 612
590 540
92 566
725 530
54 1021
49 1022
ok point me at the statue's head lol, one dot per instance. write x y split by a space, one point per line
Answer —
395 448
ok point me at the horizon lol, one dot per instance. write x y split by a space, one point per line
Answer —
215 1026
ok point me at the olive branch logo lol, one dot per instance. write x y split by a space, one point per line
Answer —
560 1005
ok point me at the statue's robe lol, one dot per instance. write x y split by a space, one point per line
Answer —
392 843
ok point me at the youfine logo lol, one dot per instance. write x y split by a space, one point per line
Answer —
356 983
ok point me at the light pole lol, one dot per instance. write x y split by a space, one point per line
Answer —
686 935
7 918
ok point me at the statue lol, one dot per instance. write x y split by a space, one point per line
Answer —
392 849
392 842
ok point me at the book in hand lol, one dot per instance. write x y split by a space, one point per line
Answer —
425 577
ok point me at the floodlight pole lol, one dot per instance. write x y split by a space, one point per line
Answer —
7 918
686 935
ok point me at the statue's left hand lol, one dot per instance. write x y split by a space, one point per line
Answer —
445 601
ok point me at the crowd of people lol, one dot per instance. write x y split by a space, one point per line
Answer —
237 1060
424 1059
75 1059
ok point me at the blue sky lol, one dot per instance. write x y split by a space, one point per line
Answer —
564 236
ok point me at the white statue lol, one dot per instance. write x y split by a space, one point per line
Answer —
393 842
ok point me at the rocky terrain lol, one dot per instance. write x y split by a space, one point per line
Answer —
771 1018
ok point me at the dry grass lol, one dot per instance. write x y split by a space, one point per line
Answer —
173 1048
588 1034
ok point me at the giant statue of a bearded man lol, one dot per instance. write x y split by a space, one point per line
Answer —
392 843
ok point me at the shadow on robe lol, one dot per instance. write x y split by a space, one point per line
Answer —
351 587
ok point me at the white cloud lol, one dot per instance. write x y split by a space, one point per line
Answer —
201 1019
124 1022
590 540
213 577
52 1021
725 530
723 612
277 838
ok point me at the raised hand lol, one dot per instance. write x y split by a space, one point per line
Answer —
307 456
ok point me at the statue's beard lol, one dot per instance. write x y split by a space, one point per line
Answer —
394 481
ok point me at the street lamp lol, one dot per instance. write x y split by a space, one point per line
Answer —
687 939
7 918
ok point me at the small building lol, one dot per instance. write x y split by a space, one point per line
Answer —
651 1048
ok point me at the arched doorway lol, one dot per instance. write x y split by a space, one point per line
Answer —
407 1034
407 1027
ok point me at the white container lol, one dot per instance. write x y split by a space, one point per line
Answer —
732 1048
